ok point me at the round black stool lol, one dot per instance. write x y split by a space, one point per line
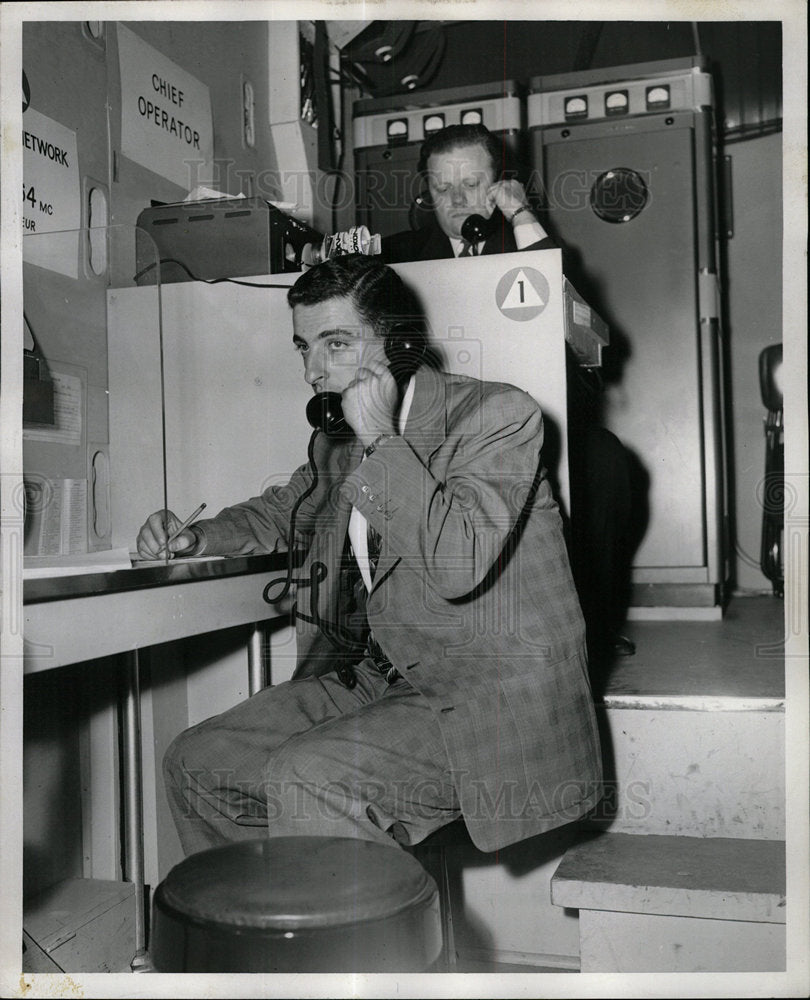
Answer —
297 904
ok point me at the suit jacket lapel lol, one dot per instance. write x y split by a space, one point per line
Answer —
436 246
333 466
426 427
425 431
345 457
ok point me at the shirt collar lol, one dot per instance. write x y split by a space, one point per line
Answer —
458 246
405 409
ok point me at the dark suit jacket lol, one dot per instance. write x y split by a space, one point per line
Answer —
430 243
472 599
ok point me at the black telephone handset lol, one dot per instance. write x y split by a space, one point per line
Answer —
476 229
325 413
404 353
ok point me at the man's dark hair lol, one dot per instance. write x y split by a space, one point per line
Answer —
454 137
377 292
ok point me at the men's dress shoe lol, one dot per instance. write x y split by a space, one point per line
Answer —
622 646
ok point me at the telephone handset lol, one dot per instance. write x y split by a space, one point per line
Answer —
476 229
325 413
404 351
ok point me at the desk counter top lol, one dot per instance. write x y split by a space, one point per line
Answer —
77 618
149 574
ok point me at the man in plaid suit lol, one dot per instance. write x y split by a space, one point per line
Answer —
446 678
461 169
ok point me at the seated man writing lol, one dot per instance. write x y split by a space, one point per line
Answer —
445 678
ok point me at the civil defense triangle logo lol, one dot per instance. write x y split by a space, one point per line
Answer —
522 293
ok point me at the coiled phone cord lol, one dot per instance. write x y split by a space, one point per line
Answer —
317 574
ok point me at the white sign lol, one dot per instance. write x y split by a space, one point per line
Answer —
51 193
166 121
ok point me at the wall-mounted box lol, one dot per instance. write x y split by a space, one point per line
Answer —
37 392
221 238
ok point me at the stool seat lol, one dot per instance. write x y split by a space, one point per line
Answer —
297 904
432 853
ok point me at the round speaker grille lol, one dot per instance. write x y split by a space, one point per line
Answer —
619 195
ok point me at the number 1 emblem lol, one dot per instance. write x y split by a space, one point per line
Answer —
522 293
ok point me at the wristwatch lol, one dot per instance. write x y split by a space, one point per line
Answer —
370 448
523 208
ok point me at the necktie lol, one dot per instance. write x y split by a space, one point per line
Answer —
467 250
375 651
374 545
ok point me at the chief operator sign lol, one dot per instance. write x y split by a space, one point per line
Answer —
166 122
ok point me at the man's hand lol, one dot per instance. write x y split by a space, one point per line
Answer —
153 534
509 196
370 401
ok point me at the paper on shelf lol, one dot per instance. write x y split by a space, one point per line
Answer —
177 561
56 513
202 193
107 561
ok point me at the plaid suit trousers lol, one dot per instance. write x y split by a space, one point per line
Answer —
311 757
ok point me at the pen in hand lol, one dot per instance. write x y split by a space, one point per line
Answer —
180 528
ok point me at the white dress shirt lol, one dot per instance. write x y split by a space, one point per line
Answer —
358 525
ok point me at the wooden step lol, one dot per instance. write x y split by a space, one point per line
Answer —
695 747
719 877
689 664
663 904
693 772
693 728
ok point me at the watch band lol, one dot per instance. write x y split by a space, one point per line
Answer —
523 208
370 448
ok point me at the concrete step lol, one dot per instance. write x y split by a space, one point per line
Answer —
676 904
693 772
693 728
693 733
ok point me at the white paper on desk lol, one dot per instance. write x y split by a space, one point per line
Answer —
203 193
107 561
177 561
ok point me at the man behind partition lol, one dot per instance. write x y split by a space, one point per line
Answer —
461 170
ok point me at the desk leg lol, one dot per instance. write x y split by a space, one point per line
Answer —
133 802
258 673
